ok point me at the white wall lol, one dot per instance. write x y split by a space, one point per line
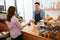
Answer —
20 7
1 2
28 9
25 9
9 3
52 13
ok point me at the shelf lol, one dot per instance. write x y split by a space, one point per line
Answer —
50 9
57 7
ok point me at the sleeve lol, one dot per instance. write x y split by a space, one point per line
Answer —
18 24
33 14
42 14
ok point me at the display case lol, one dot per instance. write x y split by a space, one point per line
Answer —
50 30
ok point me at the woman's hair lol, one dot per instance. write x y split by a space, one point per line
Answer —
10 12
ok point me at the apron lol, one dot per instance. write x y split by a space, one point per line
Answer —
37 16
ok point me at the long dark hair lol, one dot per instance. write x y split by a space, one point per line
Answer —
10 12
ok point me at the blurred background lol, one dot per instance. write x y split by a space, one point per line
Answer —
24 8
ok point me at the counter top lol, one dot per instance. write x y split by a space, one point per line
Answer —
33 30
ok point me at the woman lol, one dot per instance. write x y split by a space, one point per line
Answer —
13 24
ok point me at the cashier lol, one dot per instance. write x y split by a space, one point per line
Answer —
38 14
13 24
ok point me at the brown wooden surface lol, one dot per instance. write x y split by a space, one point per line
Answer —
3 27
31 33
27 36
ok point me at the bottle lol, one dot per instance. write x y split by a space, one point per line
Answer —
47 15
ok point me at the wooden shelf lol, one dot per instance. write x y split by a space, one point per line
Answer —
51 9
57 7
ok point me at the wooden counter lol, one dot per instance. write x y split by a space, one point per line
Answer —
3 27
31 33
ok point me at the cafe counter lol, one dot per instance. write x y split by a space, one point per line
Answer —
31 33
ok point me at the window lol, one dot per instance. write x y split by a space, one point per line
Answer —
25 9
20 7
1 2
9 3
1 5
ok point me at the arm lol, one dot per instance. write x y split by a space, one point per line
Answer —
19 25
42 14
33 14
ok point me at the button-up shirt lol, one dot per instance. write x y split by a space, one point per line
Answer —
15 27
42 13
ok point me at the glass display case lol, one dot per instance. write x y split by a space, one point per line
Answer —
50 30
